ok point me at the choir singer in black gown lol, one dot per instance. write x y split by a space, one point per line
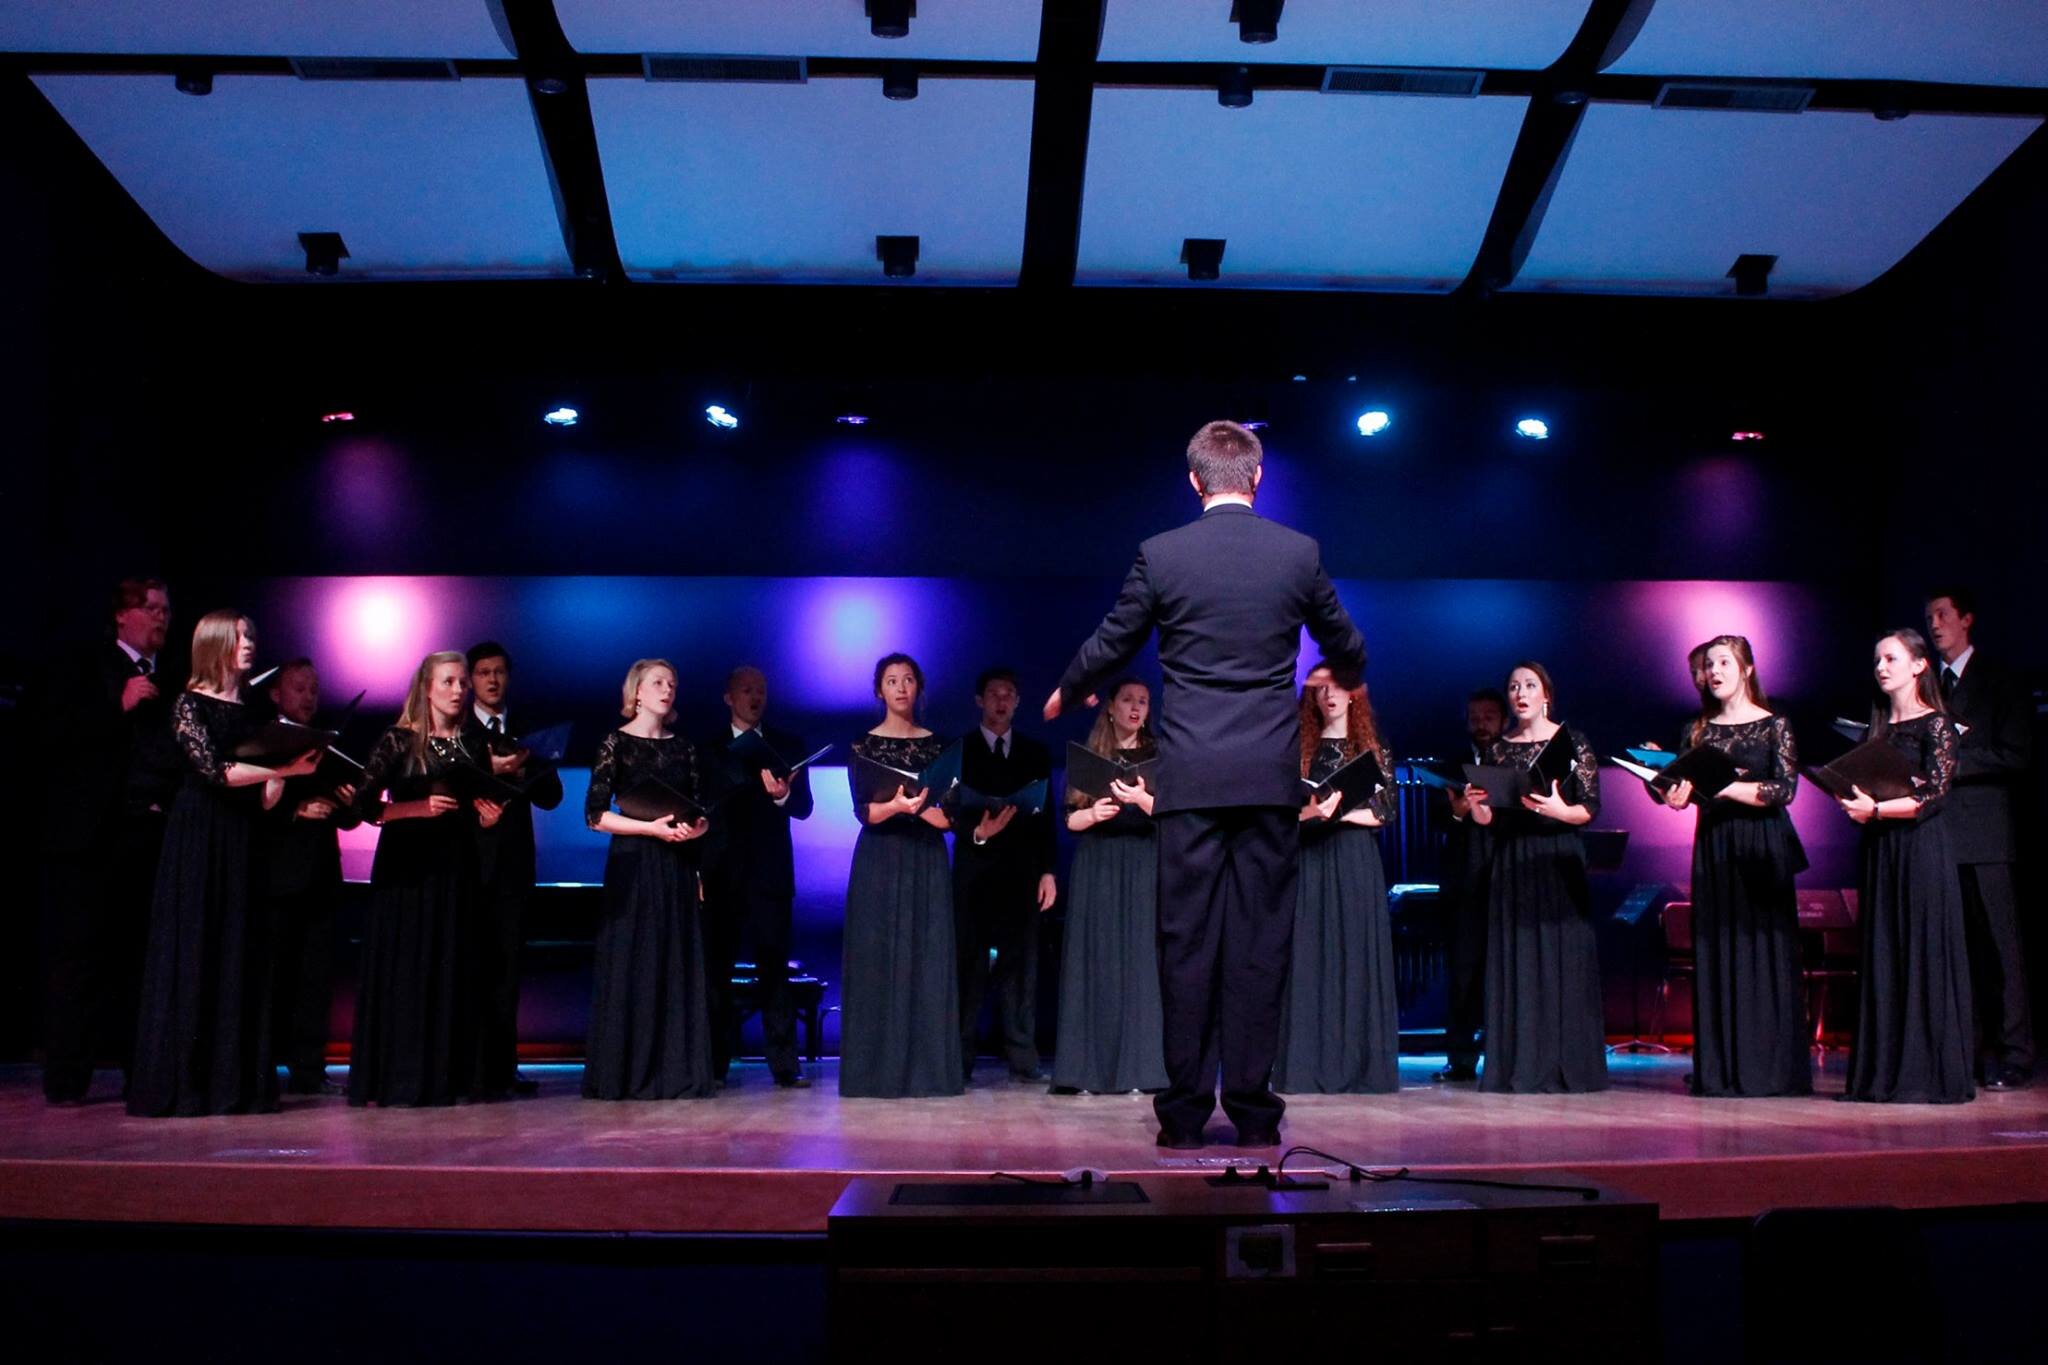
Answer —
1229 595
1341 1031
1749 1019
202 1042
1913 1014
417 1011
1109 1024
650 1008
899 1021
1544 1029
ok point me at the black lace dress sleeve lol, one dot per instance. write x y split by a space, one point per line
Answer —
1782 785
1584 789
203 729
1386 801
604 777
1938 751
386 764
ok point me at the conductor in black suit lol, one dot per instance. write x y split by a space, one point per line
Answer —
750 880
1002 881
1996 716
114 768
505 869
1229 595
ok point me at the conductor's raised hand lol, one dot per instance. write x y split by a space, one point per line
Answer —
1054 704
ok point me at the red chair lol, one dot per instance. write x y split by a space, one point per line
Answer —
1679 962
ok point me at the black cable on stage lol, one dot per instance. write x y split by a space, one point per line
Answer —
1360 1173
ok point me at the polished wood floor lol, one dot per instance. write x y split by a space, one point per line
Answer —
761 1159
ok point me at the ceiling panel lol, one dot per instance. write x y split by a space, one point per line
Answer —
431 179
1969 42
1663 201
983 30
1307 190
1488 33
255 28
795 182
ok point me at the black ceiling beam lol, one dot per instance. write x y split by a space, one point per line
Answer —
1556 107
1062 107
560 96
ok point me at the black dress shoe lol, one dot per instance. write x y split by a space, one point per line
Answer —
793 1082
1179 1142
525 1085
1457 1073
1258 1137
1035 1076
2007 1078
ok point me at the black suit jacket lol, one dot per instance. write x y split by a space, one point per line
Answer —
506 849
1991 761
748 845
105 762
1027 848
302 855
1229 595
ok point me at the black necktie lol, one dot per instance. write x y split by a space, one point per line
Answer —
1948 682
498 725
1000 741
144 667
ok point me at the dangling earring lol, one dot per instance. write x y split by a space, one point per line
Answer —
636 706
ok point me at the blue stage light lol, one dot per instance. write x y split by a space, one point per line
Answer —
561 417
721 418
1373 423
851 419
1533 428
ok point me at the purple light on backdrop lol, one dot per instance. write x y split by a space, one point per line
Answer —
375 631
1675 616
840 626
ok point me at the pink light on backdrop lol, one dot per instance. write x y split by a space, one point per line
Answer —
373 634
1675 616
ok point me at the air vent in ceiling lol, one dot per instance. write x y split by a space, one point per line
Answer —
1754 96
1401 80
373 69
685 66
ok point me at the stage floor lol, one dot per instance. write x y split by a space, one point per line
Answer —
759 1159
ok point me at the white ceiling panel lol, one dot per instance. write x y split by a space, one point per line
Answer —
1488 33
1968 42
947 30
255 28
1663 201
422 179
793 183
1307 190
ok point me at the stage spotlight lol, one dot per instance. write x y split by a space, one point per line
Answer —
337 417
324 252
1234 91
1258 21
1373 423
1746 436
899 81
722 418
549 85
898 256
194 81
851 419
1752 274
562 417
1253 426
891 18
1203 256
1533 429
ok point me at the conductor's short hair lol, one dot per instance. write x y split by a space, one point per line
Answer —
1224 458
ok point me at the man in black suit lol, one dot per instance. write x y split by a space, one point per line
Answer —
1996 717
113 769
302 883
1468 850
1229 595
1002 882
750 880
505 868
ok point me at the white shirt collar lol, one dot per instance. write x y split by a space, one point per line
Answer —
483 717
135 655
738 730
990 737
1955 666
1226 500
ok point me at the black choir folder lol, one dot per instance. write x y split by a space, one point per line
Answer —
751 753
1437 772
1357 780
1881 772
1505 786
874 782
653 799
1708 769
1029 799
280 741
1090 773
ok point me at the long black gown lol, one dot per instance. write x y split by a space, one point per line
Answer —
1749 1019
650 1007
417 1008
1544 1029
1913 1020
1111 1023
899 1021
202 1041
1342 1033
